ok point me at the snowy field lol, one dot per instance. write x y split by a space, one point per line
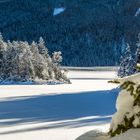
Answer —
58 112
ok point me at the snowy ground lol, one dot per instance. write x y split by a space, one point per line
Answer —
57 112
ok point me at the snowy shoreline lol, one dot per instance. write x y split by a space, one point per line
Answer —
110 68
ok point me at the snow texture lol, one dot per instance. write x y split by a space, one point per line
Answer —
58 11
132 134
58 112
94 135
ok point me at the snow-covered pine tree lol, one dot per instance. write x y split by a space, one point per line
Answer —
127 63
22 62
128 102
138 54
121 71
35 59
39 62
57 59
44 52
1 55
59 75
8 61
127 105
42 48
25 66
138 59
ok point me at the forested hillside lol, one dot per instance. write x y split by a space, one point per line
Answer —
88 32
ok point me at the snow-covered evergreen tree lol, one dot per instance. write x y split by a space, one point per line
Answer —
121 71
57 59
20 61
44 52
41 47
127 105
127 63
138 54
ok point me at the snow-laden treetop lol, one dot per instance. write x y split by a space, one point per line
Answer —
127 105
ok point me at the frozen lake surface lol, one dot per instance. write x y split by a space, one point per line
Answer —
58 112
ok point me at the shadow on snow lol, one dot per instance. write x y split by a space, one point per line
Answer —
58 109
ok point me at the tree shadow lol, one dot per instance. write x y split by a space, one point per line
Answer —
58 109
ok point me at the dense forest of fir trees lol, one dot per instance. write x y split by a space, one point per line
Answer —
88 33
24 62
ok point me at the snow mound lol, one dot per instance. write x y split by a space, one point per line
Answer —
58 11
132 134
137 12
93 135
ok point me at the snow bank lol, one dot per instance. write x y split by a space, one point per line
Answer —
58 11
93 135
132 134
57 112
137 12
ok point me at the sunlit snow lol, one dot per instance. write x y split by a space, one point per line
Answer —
137 12
58 11
58 112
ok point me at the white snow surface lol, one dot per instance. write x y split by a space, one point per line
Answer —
58 112
58 11
134 78
137 12
132 134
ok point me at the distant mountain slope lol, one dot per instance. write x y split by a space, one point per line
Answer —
88 32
